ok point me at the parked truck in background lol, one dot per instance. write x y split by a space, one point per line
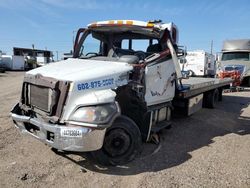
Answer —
121 86
199 63
2 67
235 56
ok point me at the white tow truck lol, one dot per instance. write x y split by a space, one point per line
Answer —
121 85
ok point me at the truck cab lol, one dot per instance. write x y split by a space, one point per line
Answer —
235 56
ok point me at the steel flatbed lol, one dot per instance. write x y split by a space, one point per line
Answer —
196 85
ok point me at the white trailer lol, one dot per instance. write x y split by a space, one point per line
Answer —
18 63
199 63
108 99
13 62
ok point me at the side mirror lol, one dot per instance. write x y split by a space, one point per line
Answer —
183 60
181 51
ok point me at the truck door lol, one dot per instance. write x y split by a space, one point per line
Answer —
159 81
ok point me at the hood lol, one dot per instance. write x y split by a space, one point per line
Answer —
81 69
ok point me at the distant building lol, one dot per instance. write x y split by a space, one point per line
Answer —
41 57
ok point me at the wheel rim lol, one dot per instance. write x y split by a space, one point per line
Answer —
117 142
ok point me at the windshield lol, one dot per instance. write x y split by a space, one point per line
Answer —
90 47
101 44
243 56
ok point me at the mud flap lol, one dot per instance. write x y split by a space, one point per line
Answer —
146 128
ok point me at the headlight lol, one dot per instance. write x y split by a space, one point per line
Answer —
94 114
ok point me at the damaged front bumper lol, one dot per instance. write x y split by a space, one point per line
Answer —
62 137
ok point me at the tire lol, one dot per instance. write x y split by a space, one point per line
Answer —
122 143
220 94
211 98
248 82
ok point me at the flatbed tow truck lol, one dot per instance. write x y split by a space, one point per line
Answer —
121 86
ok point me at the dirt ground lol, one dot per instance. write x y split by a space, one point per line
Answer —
209 149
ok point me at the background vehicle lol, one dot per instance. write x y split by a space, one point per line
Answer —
236 57
118 89
199 63
2 67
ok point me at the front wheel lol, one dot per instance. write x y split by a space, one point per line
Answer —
122 143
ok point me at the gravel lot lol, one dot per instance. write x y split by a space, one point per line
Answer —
209 149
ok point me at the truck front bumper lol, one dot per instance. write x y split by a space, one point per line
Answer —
51 134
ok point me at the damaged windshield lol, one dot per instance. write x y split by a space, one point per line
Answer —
116 44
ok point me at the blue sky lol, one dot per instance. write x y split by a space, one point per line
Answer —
50 23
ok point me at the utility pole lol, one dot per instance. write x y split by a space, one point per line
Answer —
56 55
212 43
73 40
33 52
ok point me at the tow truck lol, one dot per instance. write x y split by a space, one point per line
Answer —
120 88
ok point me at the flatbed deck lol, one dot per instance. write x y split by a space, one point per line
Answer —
196 85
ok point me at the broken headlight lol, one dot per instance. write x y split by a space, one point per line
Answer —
94 114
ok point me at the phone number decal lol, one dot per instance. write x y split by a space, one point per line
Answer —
95 84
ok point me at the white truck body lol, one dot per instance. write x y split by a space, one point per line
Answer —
199 63
109 100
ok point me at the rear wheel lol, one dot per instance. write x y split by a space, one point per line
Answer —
211 98
122 143
248 82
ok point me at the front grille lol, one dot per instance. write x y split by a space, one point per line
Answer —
239 68
40 97
44 95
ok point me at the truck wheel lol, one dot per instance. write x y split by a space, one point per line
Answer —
248 82
211 98
220 90
122 143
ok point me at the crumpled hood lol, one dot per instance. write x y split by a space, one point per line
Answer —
81 69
